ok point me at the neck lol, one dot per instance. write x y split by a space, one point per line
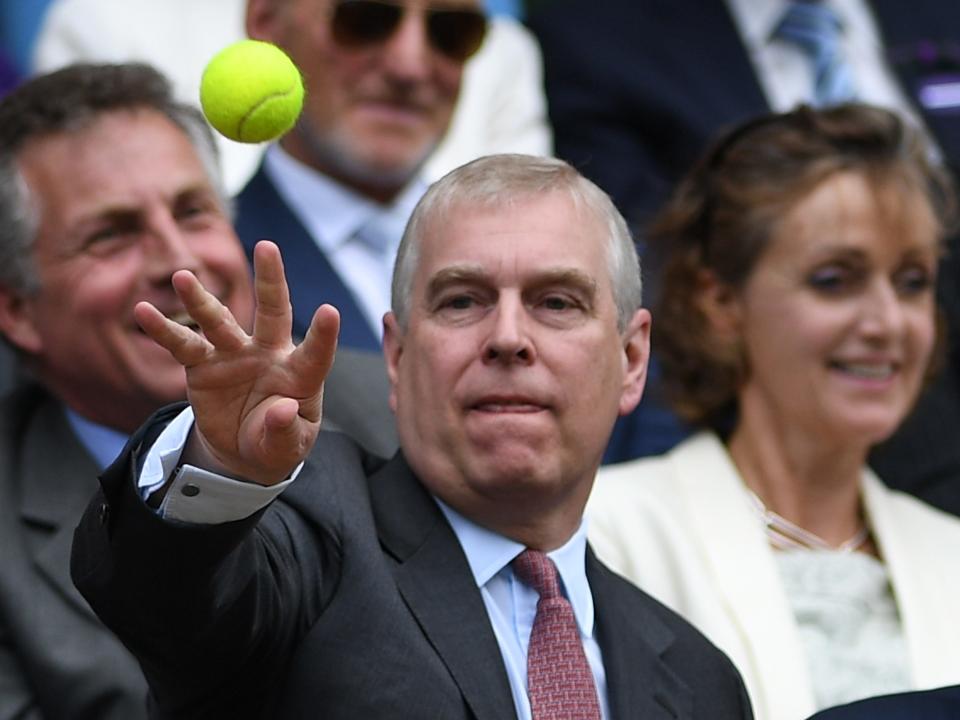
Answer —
799 477
538 526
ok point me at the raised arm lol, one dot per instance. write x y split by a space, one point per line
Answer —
257 399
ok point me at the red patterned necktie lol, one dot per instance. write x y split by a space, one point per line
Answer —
559 681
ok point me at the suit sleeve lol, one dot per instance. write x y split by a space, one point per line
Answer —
211 612
16 696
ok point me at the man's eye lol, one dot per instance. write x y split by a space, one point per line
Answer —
105 238
558 303
102 234
188 211
460 302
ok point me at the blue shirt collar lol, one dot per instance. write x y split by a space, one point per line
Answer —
103 443
489 553
332 212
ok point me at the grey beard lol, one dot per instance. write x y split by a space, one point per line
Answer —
330 156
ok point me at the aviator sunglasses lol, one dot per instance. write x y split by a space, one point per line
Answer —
456 33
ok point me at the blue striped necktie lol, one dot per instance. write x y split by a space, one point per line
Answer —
817 30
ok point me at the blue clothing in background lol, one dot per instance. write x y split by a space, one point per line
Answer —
19 23
9 77
513 8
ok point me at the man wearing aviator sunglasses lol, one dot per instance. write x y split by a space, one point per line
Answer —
382 80
454 32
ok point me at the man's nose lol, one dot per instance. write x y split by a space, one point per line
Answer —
168 248
509 340
407 54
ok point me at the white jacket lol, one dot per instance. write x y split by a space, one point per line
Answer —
681 527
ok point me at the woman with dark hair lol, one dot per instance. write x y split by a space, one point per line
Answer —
796 326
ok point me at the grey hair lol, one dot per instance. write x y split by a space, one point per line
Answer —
66 101
504 180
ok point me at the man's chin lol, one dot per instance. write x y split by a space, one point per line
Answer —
511 463
382 164
385 169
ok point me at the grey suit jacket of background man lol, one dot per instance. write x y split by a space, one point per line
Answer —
353 599
56 658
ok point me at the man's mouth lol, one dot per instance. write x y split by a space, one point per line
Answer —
508 408
507 404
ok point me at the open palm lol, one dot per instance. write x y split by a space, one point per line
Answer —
257 399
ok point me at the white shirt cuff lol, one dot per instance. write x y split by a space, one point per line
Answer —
196 495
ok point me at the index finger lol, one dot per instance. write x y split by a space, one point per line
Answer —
273 320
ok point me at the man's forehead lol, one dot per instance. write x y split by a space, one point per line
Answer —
439 4
539 274
514 248
102 166
555 215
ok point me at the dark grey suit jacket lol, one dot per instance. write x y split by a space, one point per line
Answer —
350 597
941 704
56 658
356 401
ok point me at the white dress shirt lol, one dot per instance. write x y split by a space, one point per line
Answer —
784 70
359 237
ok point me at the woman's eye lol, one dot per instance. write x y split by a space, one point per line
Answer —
912 281
830 279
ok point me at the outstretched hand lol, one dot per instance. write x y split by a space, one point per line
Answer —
257 399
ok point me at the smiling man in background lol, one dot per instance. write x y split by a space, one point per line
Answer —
106 188
382 80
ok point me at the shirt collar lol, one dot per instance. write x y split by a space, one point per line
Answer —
489 554
332 212
103 443
757 19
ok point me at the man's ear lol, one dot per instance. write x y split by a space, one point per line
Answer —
636 358
392 350
261 19
17 323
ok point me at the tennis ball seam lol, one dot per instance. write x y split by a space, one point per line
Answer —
263 101
231 87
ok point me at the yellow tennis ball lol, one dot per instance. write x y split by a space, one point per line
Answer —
251 92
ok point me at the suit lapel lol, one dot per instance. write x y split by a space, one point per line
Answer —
632 639
262 213
59 478
435 582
